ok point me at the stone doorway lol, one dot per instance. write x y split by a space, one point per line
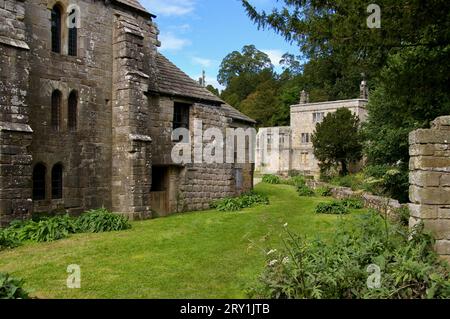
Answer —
159 193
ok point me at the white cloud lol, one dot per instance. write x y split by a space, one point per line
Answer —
169 7
275 56
206 63
170 42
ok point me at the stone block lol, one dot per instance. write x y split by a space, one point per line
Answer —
440 228
430 163
425 136
429 195
425 178
445 180
442 247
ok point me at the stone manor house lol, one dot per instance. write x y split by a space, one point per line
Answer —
88 107
283 149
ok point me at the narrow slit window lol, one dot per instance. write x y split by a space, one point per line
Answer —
73 33
73 111
39 173
57 181
56 110
56 29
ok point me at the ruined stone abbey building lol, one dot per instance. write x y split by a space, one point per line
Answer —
88 106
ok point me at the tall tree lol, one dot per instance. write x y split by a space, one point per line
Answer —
250 61
337 140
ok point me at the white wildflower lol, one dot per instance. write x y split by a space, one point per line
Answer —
272 251
273 262
285 260
285 225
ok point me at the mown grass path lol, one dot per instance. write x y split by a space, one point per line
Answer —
192 255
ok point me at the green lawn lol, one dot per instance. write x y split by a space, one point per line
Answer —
192 255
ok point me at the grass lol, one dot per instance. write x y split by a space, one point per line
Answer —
192 255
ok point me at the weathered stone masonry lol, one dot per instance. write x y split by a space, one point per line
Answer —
125 94
430 181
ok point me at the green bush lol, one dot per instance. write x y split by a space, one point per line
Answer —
295 181
101 220
334 208
271 179
45 230
304 190
7 240
343 267
324 191
353 203
11 288
238 203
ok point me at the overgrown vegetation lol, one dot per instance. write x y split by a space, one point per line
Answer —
305 190
271 179
100 220
333 208
246 200
347 266
324 191
47 229
11 288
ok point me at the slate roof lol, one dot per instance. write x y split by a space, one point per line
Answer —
172 81
134 4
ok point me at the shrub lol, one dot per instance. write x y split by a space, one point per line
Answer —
295 181
45 230
334 208
238 203
353 203
404 214
7 240
271 179
101 220
304 190
11 288
324 191
342 267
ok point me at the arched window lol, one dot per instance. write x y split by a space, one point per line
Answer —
73 111
73 32
39 173
57 181
56 109
56 28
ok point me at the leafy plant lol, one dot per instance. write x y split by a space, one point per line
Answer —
238 203
45 230
11 288
335 208
101 220
271 179
324 191
304 190
295 181
7 240
340 268
353 203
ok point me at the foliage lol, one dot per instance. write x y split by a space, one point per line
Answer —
353 203
334 208
213 90
11 288
343 267
337 140
101 220
271 179
250 61
324 191
247 200
45 230
7 240
305 190
404 215
295 181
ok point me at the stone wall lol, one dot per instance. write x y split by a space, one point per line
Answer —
15 131
430 181
384 205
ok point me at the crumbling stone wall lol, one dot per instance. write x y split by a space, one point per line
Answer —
15 132
430 181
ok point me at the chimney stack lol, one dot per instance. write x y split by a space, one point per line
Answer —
304 97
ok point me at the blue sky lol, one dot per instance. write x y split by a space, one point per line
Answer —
197 34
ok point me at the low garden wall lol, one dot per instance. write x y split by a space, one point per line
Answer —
384 205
